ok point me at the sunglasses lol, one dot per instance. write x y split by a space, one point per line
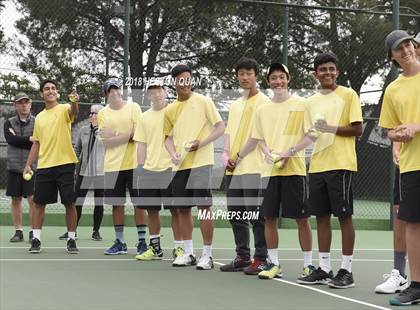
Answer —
92 113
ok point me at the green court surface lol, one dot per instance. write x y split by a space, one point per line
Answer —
90 280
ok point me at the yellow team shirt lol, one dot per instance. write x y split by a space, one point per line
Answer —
282 125
150 132
251 164
123 156
340 107
190 120
401 105
53 132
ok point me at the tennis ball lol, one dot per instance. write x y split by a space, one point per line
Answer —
279 164
28 176
188 145
72 98
275 157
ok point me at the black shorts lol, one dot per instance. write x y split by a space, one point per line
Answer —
155 189
331 192
409 210
50 181
285 193
17 186
397 188
192 187
116 185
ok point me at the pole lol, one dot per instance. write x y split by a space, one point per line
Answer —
126 44
394 75
285 34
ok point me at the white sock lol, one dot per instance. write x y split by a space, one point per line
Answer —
346 261
37 234
307 258
188 247
273 256
154 236
207 250
324 261
71 235
178 243
21 229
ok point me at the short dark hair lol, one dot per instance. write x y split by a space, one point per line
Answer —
323 58
180 68
44 82
151 87
248 64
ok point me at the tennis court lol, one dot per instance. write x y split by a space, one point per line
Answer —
91 280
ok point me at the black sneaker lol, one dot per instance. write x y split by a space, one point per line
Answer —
410 296
35 246
17 237
31 236
96 236
238 264
318 276
71 247
343 279
65 236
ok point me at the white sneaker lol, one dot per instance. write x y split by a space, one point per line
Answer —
205 263
185 260
394 283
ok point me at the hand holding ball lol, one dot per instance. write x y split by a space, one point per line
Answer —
28 176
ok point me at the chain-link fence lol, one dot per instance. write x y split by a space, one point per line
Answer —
372 184
81 43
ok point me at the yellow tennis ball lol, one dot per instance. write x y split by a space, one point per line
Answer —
28 176
188 145
275 157
279 164
72 98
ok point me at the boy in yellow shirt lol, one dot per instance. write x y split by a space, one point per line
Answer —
56 162
400 114
191 125
281 129
117 123
337 116
243 178
155 178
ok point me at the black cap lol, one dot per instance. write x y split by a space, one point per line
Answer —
277 66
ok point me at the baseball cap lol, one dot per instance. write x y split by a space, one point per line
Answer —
21 96
108 83
277 66
417 38
395 38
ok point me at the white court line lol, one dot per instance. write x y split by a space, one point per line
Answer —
103 247
328 293
165 259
